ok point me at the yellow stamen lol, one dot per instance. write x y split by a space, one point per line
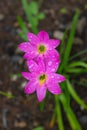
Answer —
41 49
42 79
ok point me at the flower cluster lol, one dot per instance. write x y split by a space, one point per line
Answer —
42 61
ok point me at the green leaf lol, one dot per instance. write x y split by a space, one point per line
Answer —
76 70
70 41
24 32
78 64
66 92
75 95
38 128
78 54
7 94
63 11
62 45
18 75
23 36
31 10
34 7
26 7
41 15
35 21
22 24
73 120
34 29
42 104
69 113
58 113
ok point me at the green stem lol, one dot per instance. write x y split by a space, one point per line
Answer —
34 29
70 114
59 113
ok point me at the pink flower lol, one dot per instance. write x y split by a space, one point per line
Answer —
40 46
42 78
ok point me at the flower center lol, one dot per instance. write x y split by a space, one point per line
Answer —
42 79
41 49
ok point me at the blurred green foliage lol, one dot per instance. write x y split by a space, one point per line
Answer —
33 16
39 128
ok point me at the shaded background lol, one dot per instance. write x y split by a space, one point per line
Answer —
23 113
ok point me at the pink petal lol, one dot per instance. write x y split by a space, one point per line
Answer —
52 65
55 78
52 61
33 38
33 76
53 54
24 46
26 75
54 88
41 65
30 87
53 43
43 36
31 54
59 78
32 66
30 76
41 92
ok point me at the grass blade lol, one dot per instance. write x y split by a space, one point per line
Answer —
76 70
42 105
22 24
70 41
78 63
62 45
74 95
30 16
78 54
70 114
7 94
24 32
38 128
26 9
59 114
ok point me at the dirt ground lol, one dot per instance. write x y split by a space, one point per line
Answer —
23 112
